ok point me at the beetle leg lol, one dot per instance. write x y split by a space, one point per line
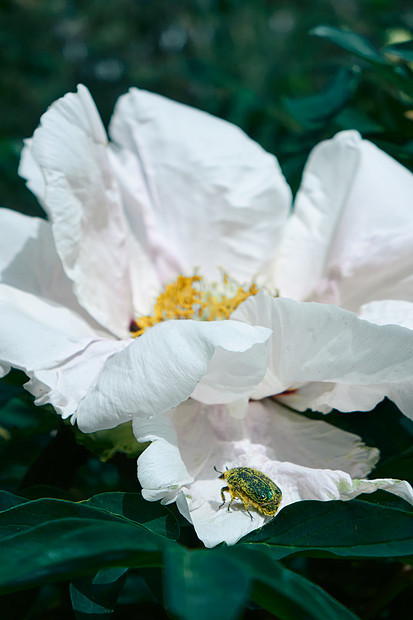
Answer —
243 502
246 506
232 499
252 518
223 490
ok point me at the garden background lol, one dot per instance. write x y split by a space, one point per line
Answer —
290 74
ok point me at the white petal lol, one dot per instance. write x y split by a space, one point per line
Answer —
161 368
389 311
299 454
292 437
401 488
205 185
161 470
350 238
66 384
28 260
157 264
232 377
4 369
83 201
323 343
36 332
55 347
29 169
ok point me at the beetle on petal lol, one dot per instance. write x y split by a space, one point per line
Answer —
253 488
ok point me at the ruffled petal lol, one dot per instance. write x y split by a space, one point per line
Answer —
203 184
66 384
82 199
161 471
59 351
161 368
323 343
307 459
350 238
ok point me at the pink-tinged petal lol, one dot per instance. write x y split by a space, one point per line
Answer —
61 353
307 459
203 185
350 238
83 201
161 368
323 343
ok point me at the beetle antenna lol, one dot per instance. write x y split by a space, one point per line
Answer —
217 470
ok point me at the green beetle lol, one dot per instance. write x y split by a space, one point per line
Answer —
253 488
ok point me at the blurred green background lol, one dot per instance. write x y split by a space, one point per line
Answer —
246 61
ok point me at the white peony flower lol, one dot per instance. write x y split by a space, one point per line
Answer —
307 459
108 307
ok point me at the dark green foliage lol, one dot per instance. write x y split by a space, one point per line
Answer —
77 539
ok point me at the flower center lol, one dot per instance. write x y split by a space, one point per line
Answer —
194 298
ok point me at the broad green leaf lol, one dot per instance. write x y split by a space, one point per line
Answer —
284 593
108 506
67 548
347 529
204 584
132 506
30 514
96 597
318 109
9 500
217 583
402 50
350 41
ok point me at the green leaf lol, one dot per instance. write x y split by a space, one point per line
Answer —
66 548
157 518
96 597
30 514
204 584
347 529
316 110
8 500
284 593
350 41
217 583
107 506
402 50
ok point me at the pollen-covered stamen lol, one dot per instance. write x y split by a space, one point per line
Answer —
219 308
192 298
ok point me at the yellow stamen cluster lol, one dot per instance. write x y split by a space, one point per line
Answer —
221 307
181 300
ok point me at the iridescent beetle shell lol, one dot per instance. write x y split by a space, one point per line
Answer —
253 488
